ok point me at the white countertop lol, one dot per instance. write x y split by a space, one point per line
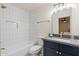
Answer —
71 42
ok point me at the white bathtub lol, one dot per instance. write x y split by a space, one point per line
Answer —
21 51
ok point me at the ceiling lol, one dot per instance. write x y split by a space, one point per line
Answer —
31 6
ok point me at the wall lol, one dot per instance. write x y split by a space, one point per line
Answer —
32 27
75 19
55 19
40 30
13 38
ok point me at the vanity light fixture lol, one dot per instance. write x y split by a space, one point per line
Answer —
61 6
58 6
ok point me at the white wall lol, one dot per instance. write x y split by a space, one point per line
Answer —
11 38
75 19
38 31
32 27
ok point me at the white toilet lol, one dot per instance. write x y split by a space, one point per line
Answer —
35 50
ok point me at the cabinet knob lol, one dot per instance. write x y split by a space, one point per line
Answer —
60 53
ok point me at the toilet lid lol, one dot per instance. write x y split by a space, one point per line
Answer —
35 49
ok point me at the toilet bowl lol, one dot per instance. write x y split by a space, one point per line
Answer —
35 50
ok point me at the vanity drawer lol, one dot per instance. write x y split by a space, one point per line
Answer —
70 49
51 45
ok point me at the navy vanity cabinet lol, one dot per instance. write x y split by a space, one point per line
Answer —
50 48
54 49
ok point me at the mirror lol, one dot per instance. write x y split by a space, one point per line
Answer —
64 24
61 21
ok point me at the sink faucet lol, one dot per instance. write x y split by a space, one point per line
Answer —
61 34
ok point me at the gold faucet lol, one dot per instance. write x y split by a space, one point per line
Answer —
61 34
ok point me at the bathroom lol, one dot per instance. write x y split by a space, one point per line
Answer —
23 26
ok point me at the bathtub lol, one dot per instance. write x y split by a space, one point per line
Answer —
21 51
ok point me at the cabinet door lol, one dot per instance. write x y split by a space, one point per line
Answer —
50 52
70 50
51 45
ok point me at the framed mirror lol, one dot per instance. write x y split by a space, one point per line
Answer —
64 24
